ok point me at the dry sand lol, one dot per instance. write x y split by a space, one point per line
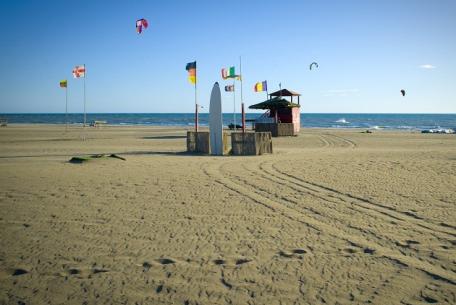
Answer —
332 217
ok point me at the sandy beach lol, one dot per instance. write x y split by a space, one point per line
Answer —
331 217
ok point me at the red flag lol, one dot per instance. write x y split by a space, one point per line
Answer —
79 71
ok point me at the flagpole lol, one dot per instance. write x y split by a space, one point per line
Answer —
242 97
66 106
196 107
85 75
234 104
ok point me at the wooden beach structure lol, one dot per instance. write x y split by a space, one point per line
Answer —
282 116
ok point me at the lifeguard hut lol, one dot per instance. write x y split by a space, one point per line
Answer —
282 117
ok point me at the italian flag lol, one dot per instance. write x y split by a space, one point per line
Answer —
228 73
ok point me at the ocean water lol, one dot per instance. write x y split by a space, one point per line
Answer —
310 120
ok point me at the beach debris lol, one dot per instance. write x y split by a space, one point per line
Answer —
140 23
117 157
313 64
403 92
82 159
98 123
231 126
366 131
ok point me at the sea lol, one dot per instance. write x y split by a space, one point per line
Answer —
308 120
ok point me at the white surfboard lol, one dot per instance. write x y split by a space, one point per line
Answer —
215 121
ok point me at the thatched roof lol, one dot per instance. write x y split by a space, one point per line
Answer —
274 103
285 92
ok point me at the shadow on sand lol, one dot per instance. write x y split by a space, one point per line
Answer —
164 137
125 153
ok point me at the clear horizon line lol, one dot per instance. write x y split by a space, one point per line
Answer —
8 113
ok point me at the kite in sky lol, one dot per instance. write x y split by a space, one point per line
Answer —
403 92
313 64
140 23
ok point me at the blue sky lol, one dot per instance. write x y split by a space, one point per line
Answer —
367 52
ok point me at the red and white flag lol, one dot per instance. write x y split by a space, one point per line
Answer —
79 71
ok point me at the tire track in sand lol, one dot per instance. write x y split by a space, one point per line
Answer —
212 170
333 212
368 205
337 212
349 143
325 142
336 141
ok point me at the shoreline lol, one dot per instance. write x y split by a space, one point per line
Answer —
204 126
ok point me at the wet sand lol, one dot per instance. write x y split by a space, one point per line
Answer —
332 217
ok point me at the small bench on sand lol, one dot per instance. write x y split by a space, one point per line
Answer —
3 122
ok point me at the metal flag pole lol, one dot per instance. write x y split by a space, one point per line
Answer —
85 75
242 97
234 104
196 104
66 106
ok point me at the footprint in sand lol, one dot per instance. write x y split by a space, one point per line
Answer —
18 271
236 262
369 251
159 289
83 273
297 253
412 242
166 261
74 271
99 270
219 261
242 261
351 250
146 266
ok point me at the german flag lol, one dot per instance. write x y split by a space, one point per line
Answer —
191 68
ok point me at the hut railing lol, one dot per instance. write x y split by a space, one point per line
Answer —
265 118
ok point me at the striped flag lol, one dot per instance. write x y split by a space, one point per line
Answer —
191 68
79 71
261 86
229 88
228 73
63 83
